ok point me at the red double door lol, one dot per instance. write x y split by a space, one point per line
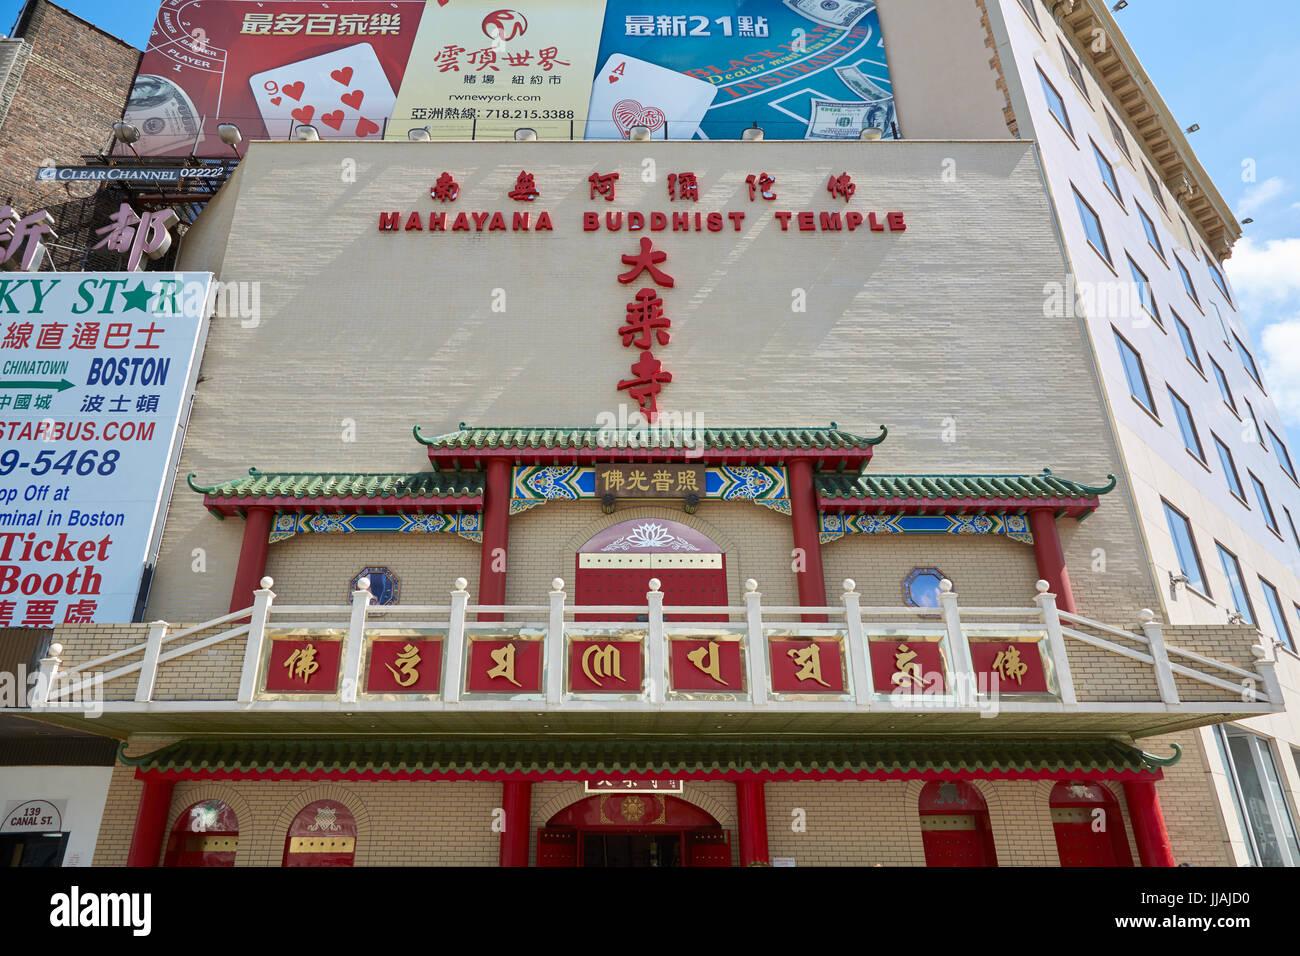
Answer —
633 830
681 587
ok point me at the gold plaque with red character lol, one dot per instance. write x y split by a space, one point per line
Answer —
504 666
807 666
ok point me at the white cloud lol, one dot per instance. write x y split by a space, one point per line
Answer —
1266 273
1281 360
1260 195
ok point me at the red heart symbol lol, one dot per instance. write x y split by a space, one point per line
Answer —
343 76
614 79
365 127
443 3
303 114
353 99
275 101
333 120
293 89
629 113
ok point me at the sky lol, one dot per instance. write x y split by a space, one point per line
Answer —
1230 68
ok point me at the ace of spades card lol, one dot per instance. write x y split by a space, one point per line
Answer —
628 92
344 94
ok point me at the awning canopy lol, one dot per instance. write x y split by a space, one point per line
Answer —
559 759
958 494
344 492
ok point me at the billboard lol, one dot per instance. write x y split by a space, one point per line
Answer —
96 371
462 69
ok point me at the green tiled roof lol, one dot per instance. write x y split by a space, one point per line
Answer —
904 756
387 485
593 437
955 487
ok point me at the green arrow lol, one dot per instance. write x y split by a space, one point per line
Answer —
59 386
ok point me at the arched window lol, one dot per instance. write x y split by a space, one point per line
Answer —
1089 826
955 825
921 587
322 834
206 834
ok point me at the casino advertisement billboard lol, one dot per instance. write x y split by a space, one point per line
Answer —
96 372
467 69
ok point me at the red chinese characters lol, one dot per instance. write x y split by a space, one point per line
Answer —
683 186
762 186
646 325
525 188
841 185
602 184
445 189
1010 667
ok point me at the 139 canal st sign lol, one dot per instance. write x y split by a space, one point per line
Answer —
95 369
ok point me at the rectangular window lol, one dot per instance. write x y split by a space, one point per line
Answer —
1259 798
1216 276
1189 559
1076 72
1291 521
1149 228
1055 103
1092 226
1223 385
1028 6
1107 174
1259 435
1187 231
1281 630
1189 347
1155 187
1145 295
1229 468
1135 373
1191 440
1283 456
1117 132
1222 325
1265 507
1232 571
1187 280
1248 361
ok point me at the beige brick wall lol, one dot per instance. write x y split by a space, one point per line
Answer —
1192 815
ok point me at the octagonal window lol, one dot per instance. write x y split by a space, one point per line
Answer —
921 587
383 585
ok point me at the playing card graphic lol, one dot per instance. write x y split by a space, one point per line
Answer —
344 94
629 92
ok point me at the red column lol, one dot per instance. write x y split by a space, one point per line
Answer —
751 811
807 536
150 823
252 557
1049 556
516 800
1148 823
496 537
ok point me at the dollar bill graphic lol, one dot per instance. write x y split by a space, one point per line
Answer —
833 13
162 112
858 81
834 120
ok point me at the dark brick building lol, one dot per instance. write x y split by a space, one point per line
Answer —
63 84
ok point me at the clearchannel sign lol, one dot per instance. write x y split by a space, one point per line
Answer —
96 371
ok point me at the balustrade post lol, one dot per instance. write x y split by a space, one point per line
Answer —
1056 641
555 644
149 665
654 600
1267 672
962 666
455 649
755 645
1159 656
40 695
355 644
263 598
859 657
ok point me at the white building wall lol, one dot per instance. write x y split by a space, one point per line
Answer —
85 789
1159 466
